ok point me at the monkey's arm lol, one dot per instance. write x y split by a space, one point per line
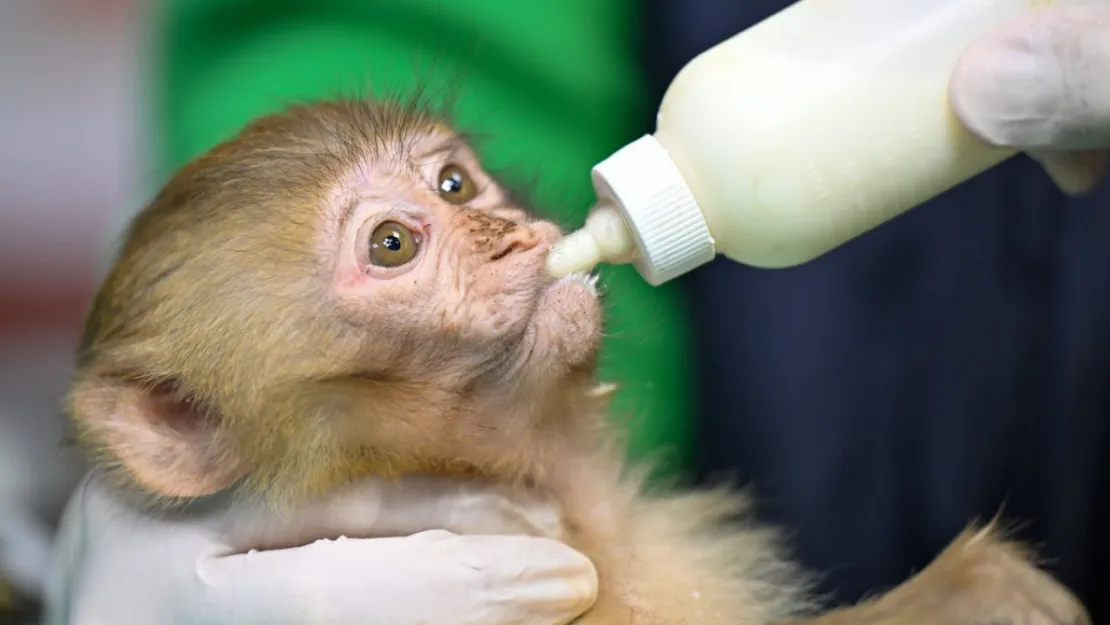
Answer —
979 579
120 565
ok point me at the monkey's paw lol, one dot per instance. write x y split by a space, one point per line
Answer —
993 582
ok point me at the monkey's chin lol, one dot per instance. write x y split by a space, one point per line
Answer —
567 323
588 281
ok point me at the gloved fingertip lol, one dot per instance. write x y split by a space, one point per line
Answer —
965 97
1006 89
575 587
1075 173
560 599
585 586
555 578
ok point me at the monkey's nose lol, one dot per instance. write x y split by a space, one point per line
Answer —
515 240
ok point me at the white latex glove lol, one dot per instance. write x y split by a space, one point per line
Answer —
37 475
117 566
1042 85
24 549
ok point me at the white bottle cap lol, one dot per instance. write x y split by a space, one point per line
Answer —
644 183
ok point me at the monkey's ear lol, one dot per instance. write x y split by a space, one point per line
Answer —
165 444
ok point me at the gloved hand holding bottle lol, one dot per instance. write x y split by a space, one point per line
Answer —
1041 84
828 119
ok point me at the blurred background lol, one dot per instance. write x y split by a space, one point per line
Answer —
69 115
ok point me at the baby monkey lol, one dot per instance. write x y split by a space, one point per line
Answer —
342 290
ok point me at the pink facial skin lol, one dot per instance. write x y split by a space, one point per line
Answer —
477 282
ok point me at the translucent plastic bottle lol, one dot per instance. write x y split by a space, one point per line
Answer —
793 137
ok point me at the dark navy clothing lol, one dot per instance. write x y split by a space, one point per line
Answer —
953 362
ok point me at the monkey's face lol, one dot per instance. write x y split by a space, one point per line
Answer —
447 272
311 298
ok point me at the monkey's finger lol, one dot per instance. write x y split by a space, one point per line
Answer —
433 577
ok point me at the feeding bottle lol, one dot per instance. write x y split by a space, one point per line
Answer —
793 137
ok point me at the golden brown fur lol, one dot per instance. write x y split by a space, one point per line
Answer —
242 341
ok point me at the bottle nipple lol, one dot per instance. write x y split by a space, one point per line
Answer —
578 251
604 238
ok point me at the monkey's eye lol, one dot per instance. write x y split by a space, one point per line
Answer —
392 245
455 186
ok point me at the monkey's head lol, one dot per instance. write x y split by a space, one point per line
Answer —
339 289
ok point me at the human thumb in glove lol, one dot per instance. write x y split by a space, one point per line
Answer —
1041 84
